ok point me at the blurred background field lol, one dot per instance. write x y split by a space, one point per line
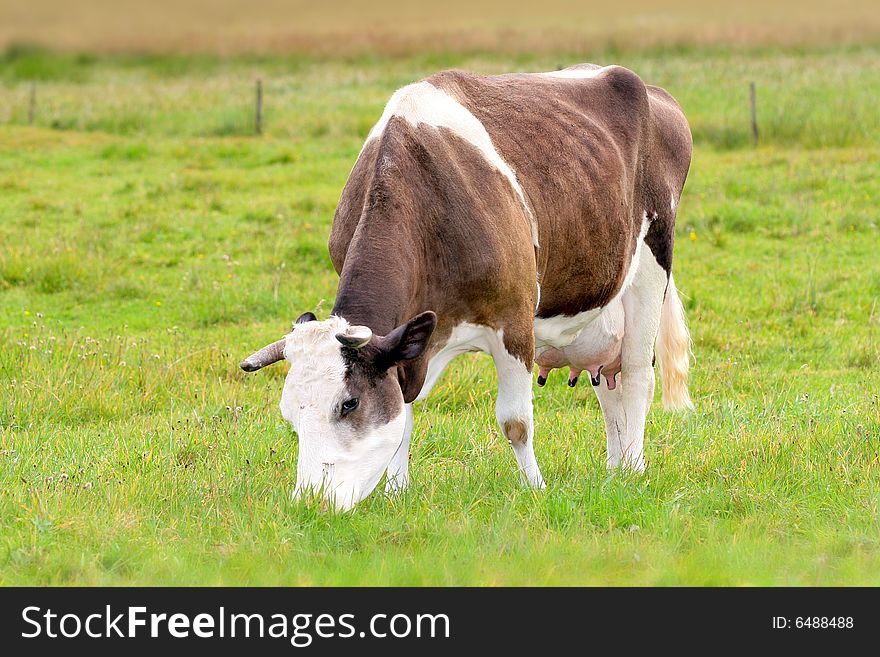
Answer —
149 239
398 26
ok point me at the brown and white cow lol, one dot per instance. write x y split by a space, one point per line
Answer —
529 216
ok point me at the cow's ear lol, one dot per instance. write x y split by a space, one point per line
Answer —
408 340
306 317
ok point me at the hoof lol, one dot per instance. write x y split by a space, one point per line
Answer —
595 380
572 382
541 381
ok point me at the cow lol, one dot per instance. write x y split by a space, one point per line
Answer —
529 216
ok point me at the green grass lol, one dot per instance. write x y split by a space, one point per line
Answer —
148 242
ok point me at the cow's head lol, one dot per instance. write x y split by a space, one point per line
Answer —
343 398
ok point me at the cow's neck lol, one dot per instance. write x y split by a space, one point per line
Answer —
378 286
382 283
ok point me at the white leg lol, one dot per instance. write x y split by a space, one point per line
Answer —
397 478
513 410
642 304
514 405
611 402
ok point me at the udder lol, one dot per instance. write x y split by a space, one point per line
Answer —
595 349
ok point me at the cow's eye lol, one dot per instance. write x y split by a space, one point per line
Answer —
349 405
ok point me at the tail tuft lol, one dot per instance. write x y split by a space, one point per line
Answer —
674 352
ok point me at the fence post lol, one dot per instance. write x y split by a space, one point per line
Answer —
258 119
754 106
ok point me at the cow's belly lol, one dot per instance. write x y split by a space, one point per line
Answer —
561 330
593 346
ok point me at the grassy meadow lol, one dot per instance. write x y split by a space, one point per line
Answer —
148 241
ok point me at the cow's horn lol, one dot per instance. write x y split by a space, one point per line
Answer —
355 336
266 356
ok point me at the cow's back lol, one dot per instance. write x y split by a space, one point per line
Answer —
577 140
599 156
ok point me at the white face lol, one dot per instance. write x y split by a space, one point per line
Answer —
348 427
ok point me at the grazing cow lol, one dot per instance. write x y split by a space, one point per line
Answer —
530 216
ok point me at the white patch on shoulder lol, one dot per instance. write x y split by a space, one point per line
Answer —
562 330
467 337
577 73
422 102
464 338
672 201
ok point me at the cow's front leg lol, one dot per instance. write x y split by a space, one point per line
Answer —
513 410
397 475
642 305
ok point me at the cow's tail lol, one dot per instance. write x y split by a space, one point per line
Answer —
674 352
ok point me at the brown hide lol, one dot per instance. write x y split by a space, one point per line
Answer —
426 222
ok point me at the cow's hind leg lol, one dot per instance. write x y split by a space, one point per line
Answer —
611 402
513 357
642 304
